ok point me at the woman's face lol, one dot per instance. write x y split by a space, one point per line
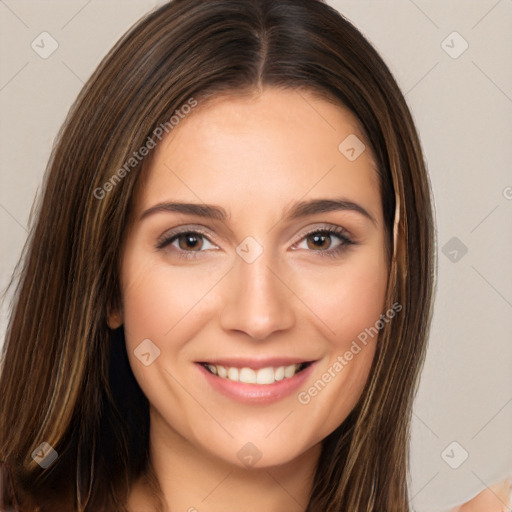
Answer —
277 260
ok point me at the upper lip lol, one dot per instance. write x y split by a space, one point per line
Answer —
242 362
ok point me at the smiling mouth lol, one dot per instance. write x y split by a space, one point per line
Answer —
267 375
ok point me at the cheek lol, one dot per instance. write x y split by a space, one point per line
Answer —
349 298
157 296
350 302
161 304
354 315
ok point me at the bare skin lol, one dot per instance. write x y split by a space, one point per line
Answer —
496 498
255 158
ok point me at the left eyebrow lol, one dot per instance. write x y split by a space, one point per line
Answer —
297 210
311 207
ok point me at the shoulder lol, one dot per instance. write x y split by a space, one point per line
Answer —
496 498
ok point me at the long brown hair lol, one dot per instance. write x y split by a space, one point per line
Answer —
65 377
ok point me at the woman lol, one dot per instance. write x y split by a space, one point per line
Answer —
225 299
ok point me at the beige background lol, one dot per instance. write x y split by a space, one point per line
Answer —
463 109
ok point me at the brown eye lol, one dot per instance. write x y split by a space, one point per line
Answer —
326 242
185 244
319 240
190 241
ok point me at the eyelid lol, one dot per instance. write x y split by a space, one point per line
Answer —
333 230
179 230
339 230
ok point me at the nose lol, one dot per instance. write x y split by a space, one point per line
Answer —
257 299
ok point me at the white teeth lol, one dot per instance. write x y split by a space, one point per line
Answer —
247 375
289 371
267 375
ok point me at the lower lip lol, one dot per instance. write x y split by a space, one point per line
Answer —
257 393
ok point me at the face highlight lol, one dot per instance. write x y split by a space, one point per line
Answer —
256 255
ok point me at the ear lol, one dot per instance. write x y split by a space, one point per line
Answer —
114 316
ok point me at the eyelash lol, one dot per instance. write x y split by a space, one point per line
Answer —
339 232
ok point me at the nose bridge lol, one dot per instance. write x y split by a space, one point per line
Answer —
256 300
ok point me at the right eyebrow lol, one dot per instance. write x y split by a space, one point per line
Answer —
201 210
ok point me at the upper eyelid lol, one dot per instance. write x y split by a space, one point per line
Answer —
335 230
181 230
188 228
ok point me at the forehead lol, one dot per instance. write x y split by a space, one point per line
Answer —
270 148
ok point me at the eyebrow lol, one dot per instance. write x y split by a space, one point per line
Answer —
296 211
